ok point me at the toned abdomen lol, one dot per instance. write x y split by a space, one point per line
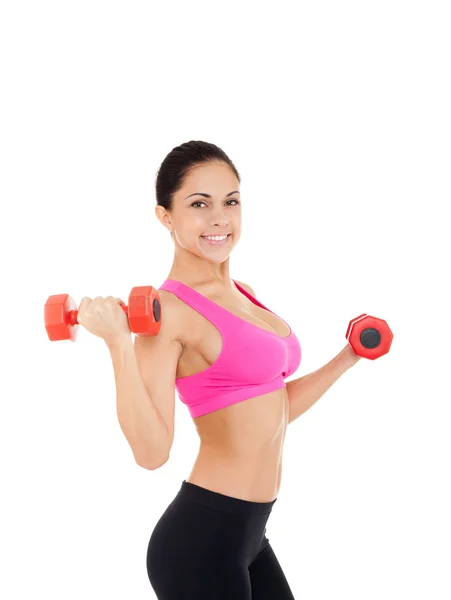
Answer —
241 448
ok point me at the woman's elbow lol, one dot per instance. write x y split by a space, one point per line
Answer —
151 465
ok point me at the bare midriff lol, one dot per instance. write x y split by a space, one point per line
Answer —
241 448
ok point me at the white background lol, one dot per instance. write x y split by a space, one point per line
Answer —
337 117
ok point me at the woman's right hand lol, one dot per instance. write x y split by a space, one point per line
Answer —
104 317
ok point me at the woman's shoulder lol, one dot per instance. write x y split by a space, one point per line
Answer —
246 286
174 314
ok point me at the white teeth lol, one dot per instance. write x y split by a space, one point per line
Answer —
215 238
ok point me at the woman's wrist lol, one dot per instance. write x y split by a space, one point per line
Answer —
349 357
118 340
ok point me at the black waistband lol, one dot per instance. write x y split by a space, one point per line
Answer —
217 500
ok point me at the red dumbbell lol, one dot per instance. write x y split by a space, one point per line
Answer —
369 337
143 312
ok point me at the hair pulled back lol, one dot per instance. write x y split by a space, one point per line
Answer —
177 165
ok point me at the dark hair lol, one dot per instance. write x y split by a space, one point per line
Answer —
178 163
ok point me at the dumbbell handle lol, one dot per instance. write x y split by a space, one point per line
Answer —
73 314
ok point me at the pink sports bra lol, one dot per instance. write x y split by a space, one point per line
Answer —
252 362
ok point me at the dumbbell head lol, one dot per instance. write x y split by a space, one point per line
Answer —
143 311
369 336
58 318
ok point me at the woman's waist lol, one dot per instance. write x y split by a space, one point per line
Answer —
242 450
255 487
254 477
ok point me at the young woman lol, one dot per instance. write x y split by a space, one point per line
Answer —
227 355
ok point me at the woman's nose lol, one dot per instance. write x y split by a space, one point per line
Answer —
219 219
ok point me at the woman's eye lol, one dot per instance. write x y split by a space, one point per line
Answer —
201 202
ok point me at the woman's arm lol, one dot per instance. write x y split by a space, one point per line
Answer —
139 418
305 391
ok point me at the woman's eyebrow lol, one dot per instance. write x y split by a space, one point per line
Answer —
208 195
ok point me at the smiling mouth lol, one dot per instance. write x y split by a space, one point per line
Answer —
216 242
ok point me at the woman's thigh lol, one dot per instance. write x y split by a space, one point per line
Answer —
268 580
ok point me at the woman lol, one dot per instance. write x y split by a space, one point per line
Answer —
227 355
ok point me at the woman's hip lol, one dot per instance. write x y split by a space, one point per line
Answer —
201 528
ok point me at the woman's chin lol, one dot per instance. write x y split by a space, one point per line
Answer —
216 254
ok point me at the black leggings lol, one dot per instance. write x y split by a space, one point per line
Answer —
210 546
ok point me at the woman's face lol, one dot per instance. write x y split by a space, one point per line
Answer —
207 204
